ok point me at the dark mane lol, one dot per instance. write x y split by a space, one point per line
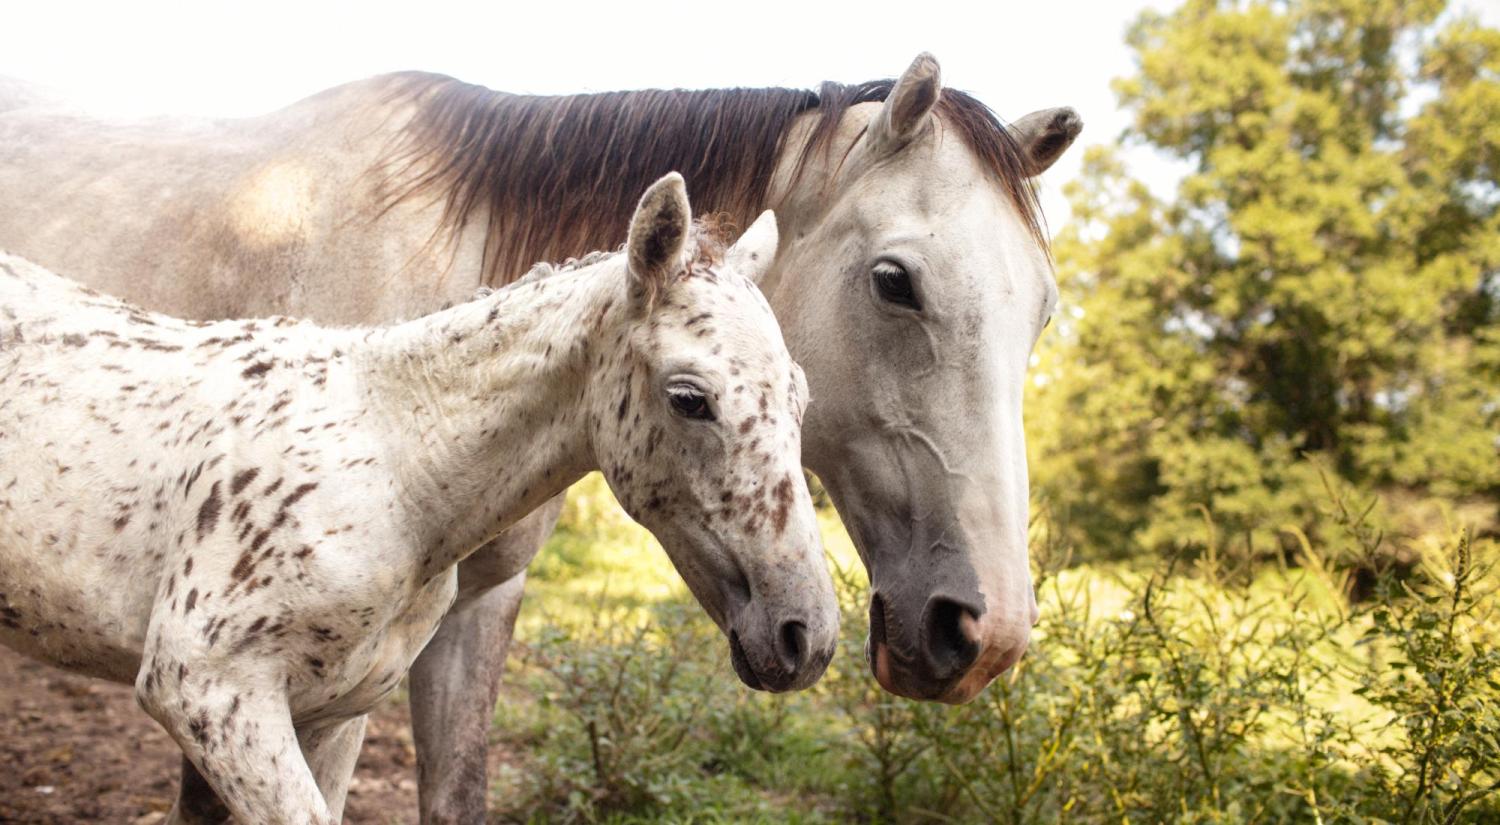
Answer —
574 166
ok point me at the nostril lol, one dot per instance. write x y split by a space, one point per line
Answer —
951 647
793 645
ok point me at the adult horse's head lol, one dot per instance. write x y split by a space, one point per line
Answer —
697 430
912 283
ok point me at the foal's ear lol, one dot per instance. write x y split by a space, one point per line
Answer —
752 254
906 108
1044 135
658 232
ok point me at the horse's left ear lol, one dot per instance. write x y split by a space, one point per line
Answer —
658 234
907 106
752 254
1044 136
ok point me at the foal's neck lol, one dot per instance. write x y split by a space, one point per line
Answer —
486 406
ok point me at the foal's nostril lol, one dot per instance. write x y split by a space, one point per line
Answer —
792 646
949 646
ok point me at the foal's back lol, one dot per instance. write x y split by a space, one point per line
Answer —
129 409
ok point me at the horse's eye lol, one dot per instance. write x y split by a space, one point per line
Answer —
894 284
689 402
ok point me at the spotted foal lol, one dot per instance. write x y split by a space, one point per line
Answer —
257 522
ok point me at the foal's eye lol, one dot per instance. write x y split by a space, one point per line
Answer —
689 402
893 283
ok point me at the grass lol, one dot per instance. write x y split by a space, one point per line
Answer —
1190 690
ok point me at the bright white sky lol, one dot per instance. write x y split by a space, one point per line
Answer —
218 58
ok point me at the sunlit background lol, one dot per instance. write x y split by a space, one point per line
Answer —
1243 647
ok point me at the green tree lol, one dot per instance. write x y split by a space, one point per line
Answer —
1324 284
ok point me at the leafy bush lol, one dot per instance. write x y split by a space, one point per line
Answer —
622 703
1219 695
1439 685
1202 691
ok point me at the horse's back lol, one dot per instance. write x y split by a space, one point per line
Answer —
223 218
16 93
111 203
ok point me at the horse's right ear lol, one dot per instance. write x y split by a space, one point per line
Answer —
658 233
1044 136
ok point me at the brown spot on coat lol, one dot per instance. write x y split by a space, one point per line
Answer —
208 512
302 490
242 480
244 567
256 370
782 493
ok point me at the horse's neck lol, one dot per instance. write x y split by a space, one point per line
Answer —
485 406
798 186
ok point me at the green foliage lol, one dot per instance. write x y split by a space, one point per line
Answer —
1204 690
1442 686
1326 281
638 717
626 700
623 699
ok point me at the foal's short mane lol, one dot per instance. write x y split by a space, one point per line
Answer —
575 165
705 248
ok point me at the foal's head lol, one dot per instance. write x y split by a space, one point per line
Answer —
697 427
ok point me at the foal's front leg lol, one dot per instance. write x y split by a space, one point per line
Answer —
331 752
239 736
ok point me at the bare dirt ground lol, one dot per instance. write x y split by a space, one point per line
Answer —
78 750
